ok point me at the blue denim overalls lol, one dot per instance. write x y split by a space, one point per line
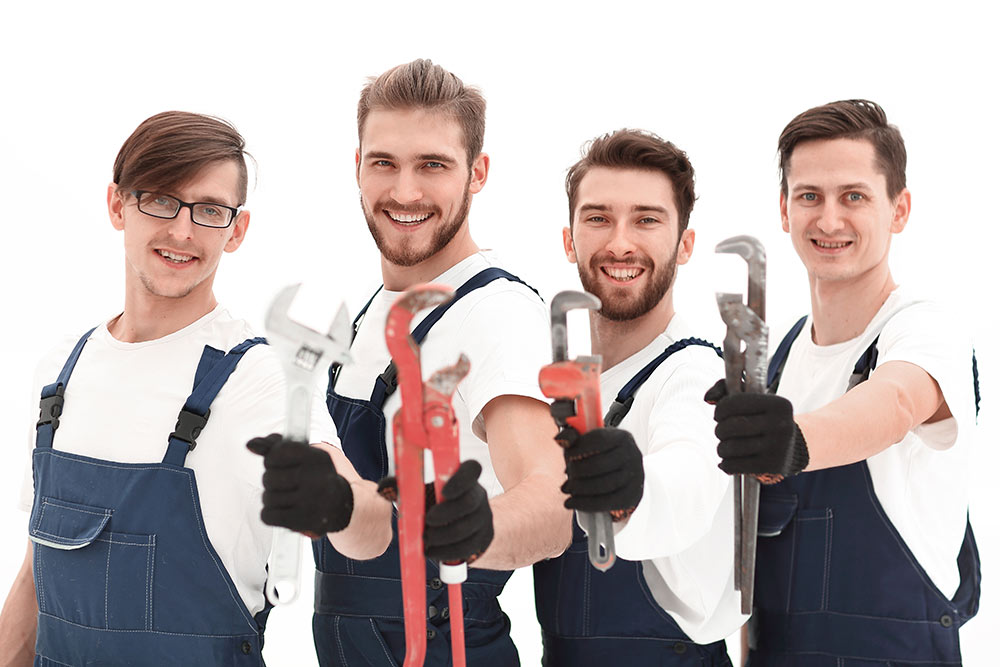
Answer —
358 616
836 585
124 570
593 618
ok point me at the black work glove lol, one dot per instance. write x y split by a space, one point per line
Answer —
603 471
757 434
302 489
460 526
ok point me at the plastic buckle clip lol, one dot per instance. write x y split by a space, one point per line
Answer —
189 427
51 407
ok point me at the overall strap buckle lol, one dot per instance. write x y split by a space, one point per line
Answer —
189 427
51 407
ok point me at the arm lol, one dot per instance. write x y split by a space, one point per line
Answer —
370 530
529 520
19 618
876 414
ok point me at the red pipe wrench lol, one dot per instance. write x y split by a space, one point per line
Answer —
425 421
575 387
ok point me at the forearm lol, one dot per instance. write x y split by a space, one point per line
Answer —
19 619
529 524
370 530
858 425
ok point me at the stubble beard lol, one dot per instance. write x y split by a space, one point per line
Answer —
615 302
405 254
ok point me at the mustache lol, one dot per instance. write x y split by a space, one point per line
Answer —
605 257
393 205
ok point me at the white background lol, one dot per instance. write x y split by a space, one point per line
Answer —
720 80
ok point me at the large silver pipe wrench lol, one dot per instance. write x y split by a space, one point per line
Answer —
745 353
305 353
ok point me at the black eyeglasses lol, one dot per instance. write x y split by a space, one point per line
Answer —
203 213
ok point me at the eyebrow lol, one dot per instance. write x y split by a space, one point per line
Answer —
638 208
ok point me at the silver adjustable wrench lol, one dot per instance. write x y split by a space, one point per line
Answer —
575 387
304 354
745 353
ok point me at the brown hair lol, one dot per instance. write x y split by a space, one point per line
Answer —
637 149
423 85
170 148
848 119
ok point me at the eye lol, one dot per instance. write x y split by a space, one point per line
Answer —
210 210
434 165
648 220
855 196
598 219
382 163
162 201
810 196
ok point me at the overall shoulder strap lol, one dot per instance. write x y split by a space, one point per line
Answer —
386 382
214 368
51 404
777 363
623 401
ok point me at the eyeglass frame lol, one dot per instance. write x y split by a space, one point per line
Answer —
188 205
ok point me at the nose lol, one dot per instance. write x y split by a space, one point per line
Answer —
621 243
830 220
406 188
181 226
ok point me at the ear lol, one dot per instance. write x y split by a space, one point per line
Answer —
568 245
480 170
783 206
685 247
357 165
239 229
116 207
901 214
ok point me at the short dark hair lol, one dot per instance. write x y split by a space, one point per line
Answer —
848 119
423 85
169 149
637 149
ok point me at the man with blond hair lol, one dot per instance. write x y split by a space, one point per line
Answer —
419 162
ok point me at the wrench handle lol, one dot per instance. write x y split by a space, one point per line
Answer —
283 567
600 538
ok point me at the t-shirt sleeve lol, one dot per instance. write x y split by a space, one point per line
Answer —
684 486
506 337
930 336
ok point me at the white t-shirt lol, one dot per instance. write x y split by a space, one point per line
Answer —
682 529
122 403
921 481
503 328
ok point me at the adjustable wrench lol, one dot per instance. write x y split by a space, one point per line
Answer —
745 371
425 421
304 353
575 387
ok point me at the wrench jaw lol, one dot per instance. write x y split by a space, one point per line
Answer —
745 356
310 347
562 303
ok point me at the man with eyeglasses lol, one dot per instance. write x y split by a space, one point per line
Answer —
146 544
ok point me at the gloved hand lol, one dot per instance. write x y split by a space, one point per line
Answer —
603 469
757 434
302 489
459 527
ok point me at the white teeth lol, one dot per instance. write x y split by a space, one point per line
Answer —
831 245
622 274
173 257
408 218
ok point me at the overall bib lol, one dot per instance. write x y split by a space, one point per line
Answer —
593 618
124 570
836 584
358 617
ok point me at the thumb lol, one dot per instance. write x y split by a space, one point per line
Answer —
716 393
464 478
388 489
263 445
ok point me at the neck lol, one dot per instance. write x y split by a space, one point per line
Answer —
398 278
617 341
148 316
842 309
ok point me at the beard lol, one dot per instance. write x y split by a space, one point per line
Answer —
617 303
407 252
